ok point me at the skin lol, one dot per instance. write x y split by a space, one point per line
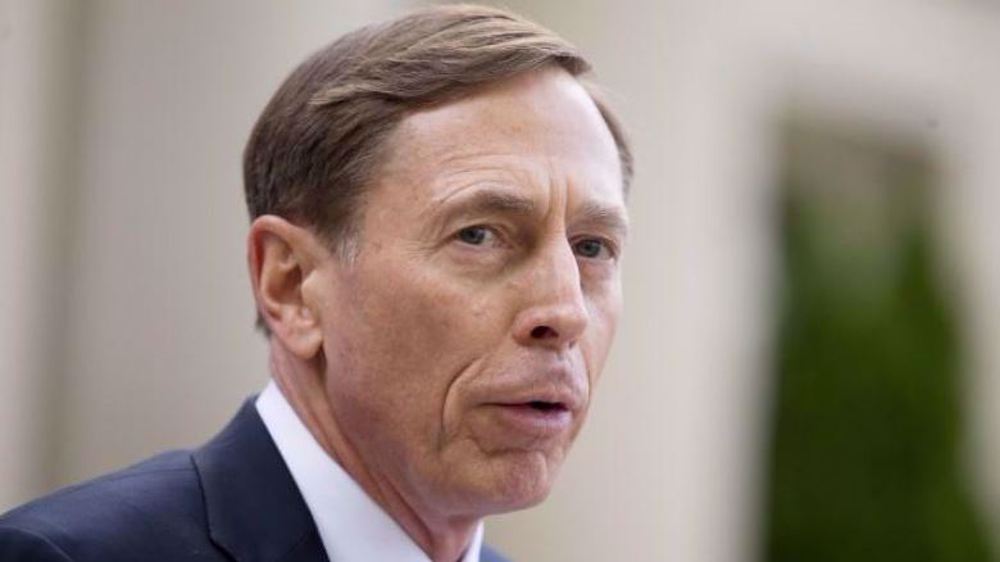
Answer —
486 277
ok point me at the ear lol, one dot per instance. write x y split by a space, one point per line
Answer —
281 258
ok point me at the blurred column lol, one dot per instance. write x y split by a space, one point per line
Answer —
38 39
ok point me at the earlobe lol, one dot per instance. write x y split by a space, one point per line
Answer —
281 258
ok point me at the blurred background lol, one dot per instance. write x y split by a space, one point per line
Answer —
809 364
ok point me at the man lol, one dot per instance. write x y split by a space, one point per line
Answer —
438 216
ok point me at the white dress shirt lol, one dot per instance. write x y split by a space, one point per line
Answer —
351 525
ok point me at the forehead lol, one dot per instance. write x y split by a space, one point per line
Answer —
539 129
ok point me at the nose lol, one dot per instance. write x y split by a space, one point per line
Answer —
555 312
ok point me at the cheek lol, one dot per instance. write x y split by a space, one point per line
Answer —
605 313
413 333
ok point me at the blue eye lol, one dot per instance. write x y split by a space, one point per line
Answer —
593 248
474 235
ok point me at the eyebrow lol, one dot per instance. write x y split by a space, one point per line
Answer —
606 217
488 201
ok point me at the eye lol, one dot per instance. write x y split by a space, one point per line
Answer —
475 235
593 248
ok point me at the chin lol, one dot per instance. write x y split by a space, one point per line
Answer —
521 480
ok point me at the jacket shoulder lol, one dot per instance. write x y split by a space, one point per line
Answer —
17 545
488 554
142 512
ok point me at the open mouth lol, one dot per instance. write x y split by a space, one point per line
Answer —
537 418
542 406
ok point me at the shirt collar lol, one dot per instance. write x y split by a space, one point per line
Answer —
352 526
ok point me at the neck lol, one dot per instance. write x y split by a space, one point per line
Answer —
443 539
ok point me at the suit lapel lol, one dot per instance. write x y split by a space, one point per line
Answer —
255 511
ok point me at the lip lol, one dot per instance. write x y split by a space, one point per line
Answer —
561 397
536 400
529 419
556 385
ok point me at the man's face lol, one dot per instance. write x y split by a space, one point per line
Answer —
463 343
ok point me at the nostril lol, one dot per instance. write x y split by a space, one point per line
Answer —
543 332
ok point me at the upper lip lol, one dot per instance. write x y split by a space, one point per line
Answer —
552 386
558 397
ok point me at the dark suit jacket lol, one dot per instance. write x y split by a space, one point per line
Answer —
232 499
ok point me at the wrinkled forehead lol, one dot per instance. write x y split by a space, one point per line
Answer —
538 127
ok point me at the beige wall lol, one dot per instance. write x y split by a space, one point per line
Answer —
125 325
38 71
19 211
127 320
161 349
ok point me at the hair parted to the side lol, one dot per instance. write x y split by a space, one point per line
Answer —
321 137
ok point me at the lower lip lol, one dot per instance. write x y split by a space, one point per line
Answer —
527 419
